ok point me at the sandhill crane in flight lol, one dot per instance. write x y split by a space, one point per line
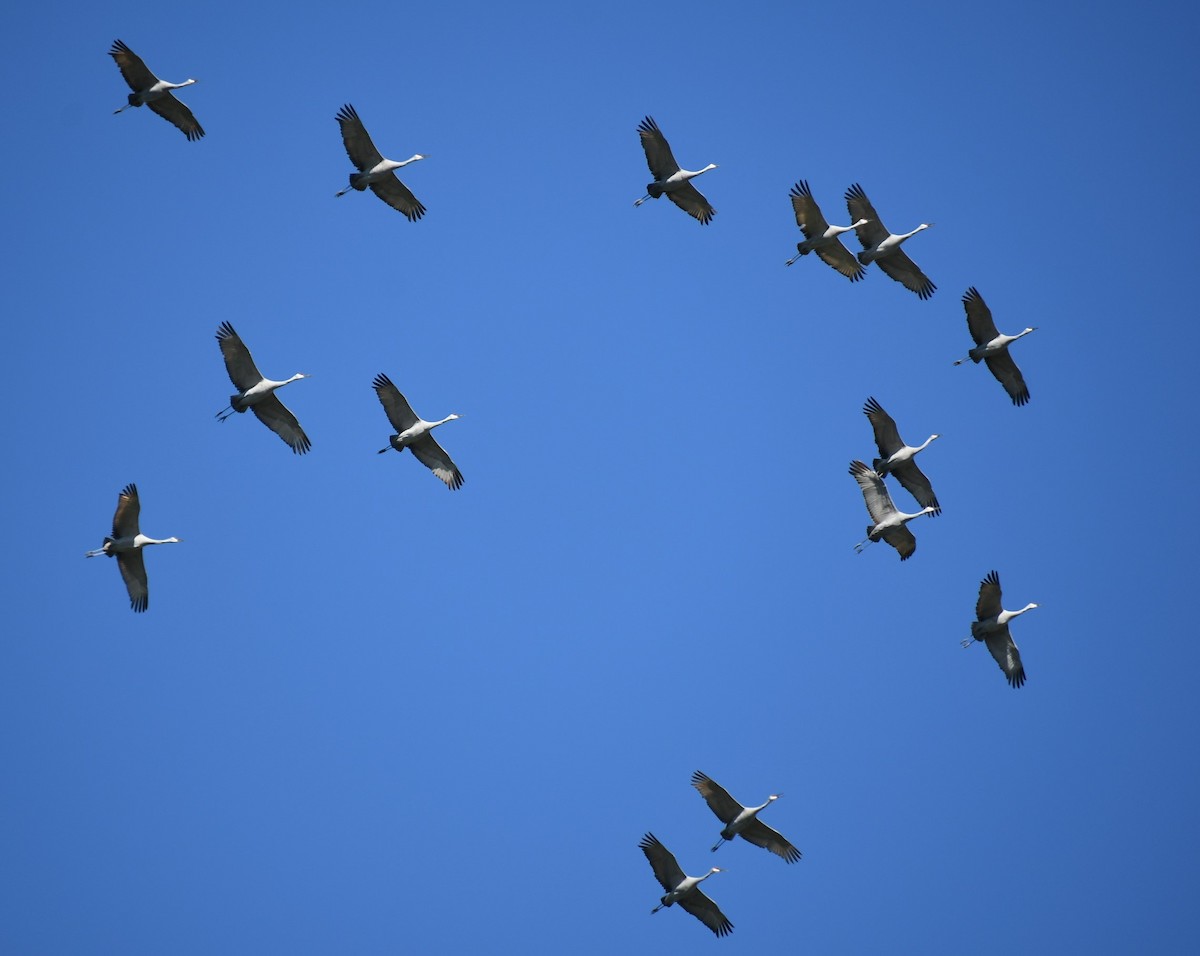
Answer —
889 524
743 820
669 178
414 433
992 347
149 90
257 393
992 628
897 457
883 247
682 889
373 169
822 238
126 545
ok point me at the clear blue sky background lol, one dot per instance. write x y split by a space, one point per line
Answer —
367 715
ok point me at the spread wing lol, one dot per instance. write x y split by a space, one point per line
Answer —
979 317
762 835
1004 650
840 258
887 435
662 861
136 73
990 601
178 114
705 910
873 232
875 493
717 798
133 570
276 416
909 474
238 362
900 267
688 198
430 454
398 196
658 151
399 412
129 507
808 214
902 540
357 140
1005 370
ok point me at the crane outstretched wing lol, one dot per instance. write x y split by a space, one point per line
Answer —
279 418
433 456
177 113
979 317
900 267
658 151
809 217
395 405
875 493
914 481
393 192
872 232
239 363
133 570
129 507
990 601
717 797
1004 649
902 540
1005 371
662 861
887 435
357 140
705 910
841 259
688 198
132 67
762 835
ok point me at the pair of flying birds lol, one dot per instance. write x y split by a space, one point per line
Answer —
374 171
685 890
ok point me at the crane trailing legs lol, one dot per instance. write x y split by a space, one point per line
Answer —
126 543
739 819
670 179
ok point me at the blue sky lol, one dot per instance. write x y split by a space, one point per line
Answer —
365 714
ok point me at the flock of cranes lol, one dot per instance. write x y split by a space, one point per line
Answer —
879 245
256 393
